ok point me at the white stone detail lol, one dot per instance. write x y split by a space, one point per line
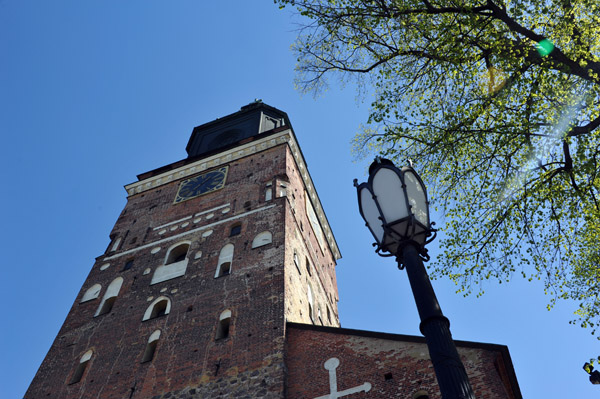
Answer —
92 293
163 231
331 365
225 210
174 290
170 271
207 233
210 216
163 289
147 271
198 255
155 250
149 298
173 228
104 266
198 220
261 239
186 224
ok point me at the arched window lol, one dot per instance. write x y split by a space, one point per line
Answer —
159 307
92 293
81 367
236 229
310 303
261 239
151 347
224 324
319 315
176 262
225 259
177 253
421 395
110 296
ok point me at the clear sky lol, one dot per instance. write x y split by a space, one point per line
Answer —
93 93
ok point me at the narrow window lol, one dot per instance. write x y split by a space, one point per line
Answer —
81 367
236 229
310 303
283 189
224 263
319 316
328 314
308 266
110 296
159 307
297 261
151 347
116 245
269 192
128 264
224 324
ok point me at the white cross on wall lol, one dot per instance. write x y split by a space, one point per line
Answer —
331 365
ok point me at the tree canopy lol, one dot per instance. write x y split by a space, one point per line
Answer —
497 103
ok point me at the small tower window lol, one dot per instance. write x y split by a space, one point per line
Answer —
81 367
283 189
308 266
261 239
224 324
269 192
92 293
328 314
177 254
297 261
151 347
236 229
128 264
310 303
319 316
420 395
110 296
224 263
159 307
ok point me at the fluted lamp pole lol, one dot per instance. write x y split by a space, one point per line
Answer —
393 203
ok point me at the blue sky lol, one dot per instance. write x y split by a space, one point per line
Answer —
93 93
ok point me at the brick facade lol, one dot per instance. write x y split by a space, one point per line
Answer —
267 189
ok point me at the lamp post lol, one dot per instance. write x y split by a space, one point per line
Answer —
393 203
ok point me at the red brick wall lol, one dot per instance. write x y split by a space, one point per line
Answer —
188 361
367 357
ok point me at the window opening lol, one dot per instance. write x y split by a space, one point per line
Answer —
297 261
128 264
310 303
269 192
224 325
236 229
151 347
225 259
308 266
81 367
177 254
110 296
160 307
261 239
420 395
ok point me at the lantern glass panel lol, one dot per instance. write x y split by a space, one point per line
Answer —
416 197
371 214
387 187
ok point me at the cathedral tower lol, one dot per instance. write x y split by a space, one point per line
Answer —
219 282
209 259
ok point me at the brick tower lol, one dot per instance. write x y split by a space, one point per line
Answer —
209 259
219 282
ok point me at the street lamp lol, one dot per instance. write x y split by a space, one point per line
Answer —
394 205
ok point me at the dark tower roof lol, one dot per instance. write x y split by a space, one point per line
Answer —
251 120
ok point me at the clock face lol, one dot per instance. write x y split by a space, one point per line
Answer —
201 184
